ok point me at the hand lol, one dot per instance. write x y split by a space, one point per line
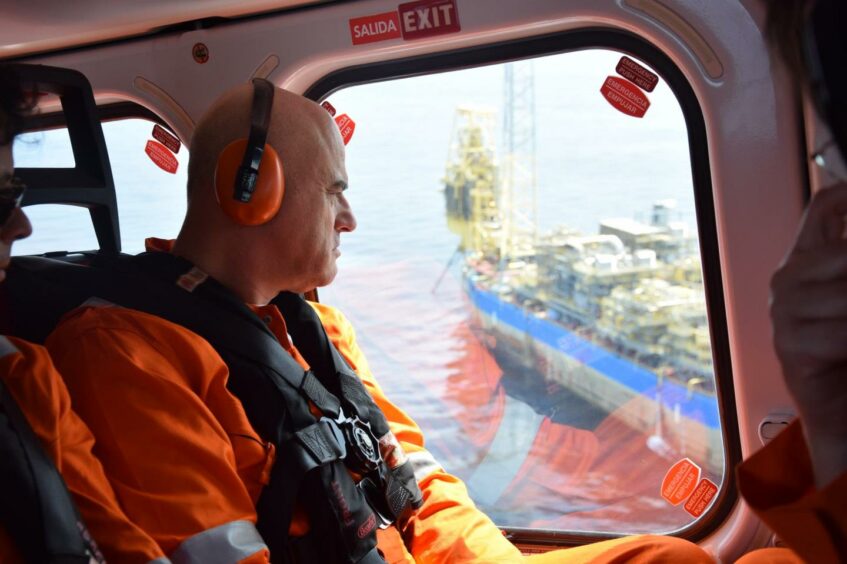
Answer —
809 314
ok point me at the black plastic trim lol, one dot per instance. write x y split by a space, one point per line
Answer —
106 112
76 188
804 158
628 43
89 183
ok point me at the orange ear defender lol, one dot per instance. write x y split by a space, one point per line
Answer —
249 179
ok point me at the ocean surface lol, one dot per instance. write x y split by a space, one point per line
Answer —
580 470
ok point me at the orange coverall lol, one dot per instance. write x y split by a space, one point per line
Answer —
778 484
37 388
183 458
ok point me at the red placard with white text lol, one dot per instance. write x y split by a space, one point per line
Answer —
412 20
166 138
428 17
161 156
624 96
378 27
634 72
346 126
680 481
702 497
329 107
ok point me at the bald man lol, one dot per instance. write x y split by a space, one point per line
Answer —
203 431
297 249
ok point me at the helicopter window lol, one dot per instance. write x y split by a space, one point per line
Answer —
148 197
31 148
526 282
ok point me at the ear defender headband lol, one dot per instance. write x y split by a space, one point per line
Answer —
249 179
825 52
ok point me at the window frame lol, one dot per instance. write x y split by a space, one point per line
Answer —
107 112
630 44
501 52
113 111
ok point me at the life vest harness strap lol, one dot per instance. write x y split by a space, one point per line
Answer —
323 441
37 509
319 395
394 493
311 450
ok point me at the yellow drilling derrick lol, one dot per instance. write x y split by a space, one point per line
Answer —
470 183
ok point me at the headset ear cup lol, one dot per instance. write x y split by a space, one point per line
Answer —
269 190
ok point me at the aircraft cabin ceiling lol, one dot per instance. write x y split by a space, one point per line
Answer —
35 26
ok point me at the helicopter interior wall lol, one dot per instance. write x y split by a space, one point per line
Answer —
750 107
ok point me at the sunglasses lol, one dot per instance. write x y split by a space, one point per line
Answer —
12 191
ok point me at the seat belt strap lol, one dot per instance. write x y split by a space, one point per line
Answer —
372 557
236 333
320 444
58 533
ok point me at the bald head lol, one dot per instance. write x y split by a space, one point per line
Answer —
297 248
298 128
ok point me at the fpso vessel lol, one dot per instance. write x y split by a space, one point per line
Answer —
617 317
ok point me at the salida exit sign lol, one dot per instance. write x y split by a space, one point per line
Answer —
412 20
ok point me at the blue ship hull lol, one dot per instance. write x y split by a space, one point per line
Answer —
622 374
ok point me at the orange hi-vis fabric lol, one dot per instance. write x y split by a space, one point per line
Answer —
778 484
37 388
183 458
772 555
176 445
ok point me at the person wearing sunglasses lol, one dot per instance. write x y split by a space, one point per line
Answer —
797 484
14 221
40 434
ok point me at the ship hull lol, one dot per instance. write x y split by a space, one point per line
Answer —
679 422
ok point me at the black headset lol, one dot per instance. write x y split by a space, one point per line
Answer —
249 178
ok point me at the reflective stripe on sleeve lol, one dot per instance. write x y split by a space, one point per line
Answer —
6 347
161 560
227 543
423 464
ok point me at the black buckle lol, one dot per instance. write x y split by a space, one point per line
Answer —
362 446
346 438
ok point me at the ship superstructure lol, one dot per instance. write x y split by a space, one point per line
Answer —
617 316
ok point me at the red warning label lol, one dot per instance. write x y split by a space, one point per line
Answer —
428 17
378 27
161 156
346 126
329 107
634 72
701 498
625 96
166 138
680 481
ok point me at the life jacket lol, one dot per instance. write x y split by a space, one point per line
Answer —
37 510
314 453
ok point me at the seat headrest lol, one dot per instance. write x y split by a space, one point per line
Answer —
39 291
89 183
